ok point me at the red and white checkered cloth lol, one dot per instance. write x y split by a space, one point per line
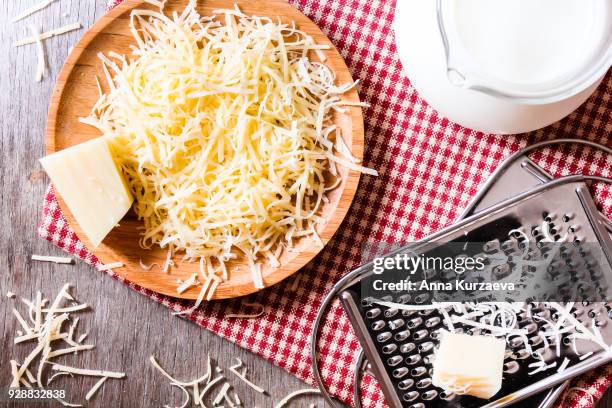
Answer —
429 169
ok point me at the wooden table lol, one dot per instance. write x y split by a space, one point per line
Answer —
125 327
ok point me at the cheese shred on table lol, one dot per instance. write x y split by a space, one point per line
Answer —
223 128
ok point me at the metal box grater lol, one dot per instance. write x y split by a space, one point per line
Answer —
400 344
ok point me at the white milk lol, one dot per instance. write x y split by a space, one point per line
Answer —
528 41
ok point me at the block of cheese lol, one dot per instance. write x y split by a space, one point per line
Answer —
89 182
471 365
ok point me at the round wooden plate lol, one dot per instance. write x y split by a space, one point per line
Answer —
76 92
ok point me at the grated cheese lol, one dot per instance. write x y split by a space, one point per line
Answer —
48 34
28 12
147 267
223 129
222 393
46 328
234 369
95 388
188 283
54 259
40 67
184 391
563 365
58 374
84 371
295 394
110 266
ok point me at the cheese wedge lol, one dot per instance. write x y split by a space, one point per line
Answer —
88 180
471 365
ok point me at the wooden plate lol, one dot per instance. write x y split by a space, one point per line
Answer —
76 92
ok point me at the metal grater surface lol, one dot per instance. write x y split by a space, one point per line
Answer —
400 344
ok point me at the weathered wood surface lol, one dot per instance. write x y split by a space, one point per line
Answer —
126 327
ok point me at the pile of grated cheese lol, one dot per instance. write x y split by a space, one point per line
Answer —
223 128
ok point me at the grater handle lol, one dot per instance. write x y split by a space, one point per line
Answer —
517 155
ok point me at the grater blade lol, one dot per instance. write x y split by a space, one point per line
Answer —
400 344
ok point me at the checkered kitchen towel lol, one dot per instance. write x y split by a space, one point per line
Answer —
429 169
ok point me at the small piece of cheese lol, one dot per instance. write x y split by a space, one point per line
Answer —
90 183
471 365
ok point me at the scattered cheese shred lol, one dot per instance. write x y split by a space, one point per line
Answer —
234 369
40 67
84 371
188 283
296 394
95 388
54 259
563 365
46 329
186 402
48 34
10 294
28 12
222 393
146 267
223 129
110 266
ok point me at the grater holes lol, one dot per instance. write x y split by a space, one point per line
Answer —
403 299
400 372
491 246
429 395
396 324
418 405
389 348
401 336
535 340
393 361
413 359
418 371
410 396
515 342
447 396
373 313
420 335
378 325
414 323
383 337
405 384
407 348
511 367
423 383
365 302
425 347
426 312
436 333
522 354
421 298
391 312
